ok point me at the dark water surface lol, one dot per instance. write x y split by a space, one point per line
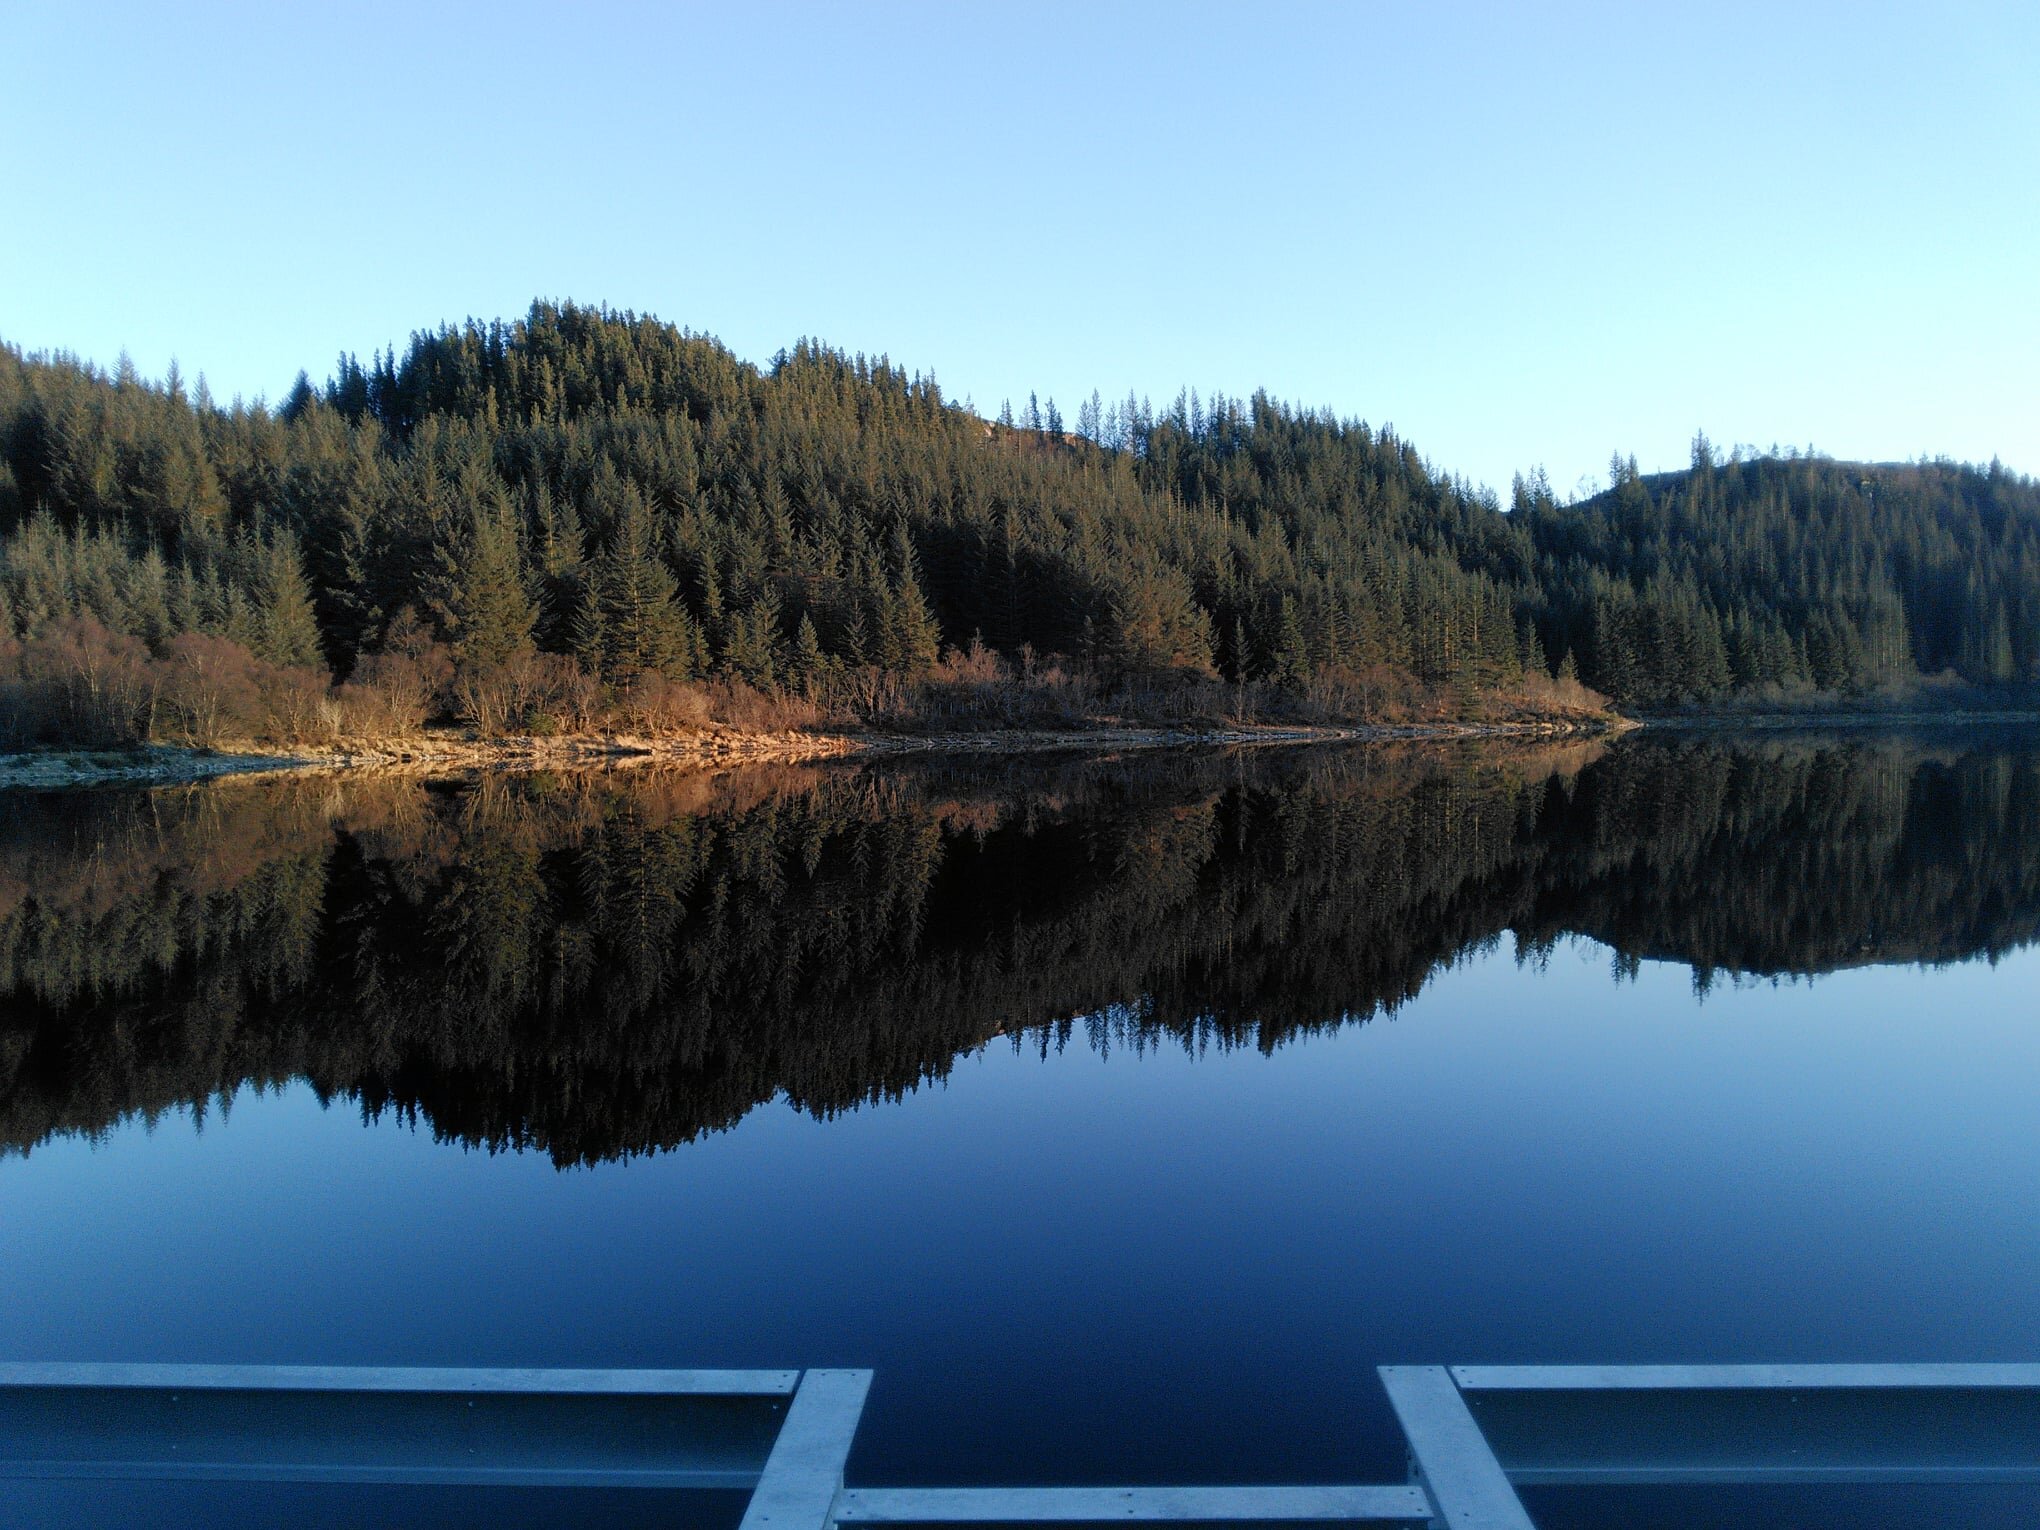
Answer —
1124 1115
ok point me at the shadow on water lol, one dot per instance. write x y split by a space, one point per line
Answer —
611 964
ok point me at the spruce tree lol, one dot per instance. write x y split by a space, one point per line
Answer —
1292 666
810 663
282 627
482 601
631 622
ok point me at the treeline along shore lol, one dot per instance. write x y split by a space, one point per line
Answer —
587 523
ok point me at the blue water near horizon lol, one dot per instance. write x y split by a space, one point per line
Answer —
1144 1265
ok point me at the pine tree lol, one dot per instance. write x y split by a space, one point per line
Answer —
810 664
631 622
1292 668
559 557
481 599
752 652
284 628
909 638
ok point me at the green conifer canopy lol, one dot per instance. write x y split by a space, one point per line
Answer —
597 484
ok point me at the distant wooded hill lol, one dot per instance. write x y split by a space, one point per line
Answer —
532 524
1793 573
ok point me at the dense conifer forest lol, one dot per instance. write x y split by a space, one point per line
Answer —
586 518
605 964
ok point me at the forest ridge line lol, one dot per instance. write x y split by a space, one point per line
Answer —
588 520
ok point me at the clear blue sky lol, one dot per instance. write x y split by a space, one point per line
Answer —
1523 234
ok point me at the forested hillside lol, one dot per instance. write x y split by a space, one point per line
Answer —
588 518
1769 574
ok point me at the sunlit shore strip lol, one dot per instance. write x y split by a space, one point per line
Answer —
725 748
714 750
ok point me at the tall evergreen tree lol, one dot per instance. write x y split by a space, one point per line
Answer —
482 600
631 621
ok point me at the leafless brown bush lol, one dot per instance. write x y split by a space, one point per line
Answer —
298 706
398 690
977 688
486 696
1539 696
738 705
556 696
1379 693
209 691
870 694
651 703
76 684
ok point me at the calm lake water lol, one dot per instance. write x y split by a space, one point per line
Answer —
1123 1114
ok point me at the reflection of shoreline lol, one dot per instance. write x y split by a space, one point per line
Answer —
597 964
601 963
1815 721
716 749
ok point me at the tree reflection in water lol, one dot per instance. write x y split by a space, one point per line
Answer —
609 964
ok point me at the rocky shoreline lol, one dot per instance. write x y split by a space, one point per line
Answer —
712 749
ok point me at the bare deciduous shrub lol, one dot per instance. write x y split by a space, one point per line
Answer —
397 690
651 703
77 683
1538 696
975 665
976 687
744 706
555 695
209 690
296 706
487 696
871 693
1538 687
